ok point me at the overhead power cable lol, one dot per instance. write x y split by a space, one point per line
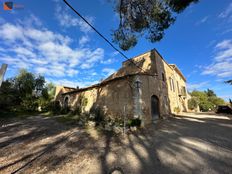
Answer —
102 36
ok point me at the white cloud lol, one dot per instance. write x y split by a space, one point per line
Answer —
108 61
108 71
43 51
197 86
92 58
222 62
227 12
67 20
72 83
83 40
203 20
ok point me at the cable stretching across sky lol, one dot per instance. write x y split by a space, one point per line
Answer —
101 35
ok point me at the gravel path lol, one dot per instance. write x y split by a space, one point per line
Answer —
192 143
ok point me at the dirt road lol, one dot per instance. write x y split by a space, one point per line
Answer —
193 143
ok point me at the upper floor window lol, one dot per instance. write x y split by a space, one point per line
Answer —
173 86
177 84
163 77
170 83
183 91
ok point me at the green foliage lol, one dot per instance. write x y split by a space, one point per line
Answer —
29 104
55 107
229 82
76 111
25 92
208 100
51 89
96 114
216 101
9 95
44 104
136 122
193 103
147 17
65 110
210 93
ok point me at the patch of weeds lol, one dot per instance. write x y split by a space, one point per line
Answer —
96 115
135 122
76 111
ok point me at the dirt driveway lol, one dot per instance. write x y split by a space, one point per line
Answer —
193 143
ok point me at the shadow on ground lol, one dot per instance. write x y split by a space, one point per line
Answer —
182 144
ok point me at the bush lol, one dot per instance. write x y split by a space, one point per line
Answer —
96 115
193 103
65 110
136 122
76 111
55 107
29 104
44 104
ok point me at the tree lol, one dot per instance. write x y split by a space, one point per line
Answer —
51 90
25 83
9 95
229 82
208 100
24 92
193 103
210 93
149 17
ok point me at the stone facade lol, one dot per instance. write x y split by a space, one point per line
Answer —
144 86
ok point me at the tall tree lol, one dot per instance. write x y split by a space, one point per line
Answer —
208 100
210 93
149 17
229 82
25 82
21 91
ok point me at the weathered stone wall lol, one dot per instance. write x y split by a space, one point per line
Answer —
110 98
130 89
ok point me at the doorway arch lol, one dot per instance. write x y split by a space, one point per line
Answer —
66 101
155 110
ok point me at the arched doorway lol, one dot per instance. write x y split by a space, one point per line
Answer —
155 112
66 99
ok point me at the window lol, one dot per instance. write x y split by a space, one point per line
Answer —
170 83
178 89
173 86
183 91
163 77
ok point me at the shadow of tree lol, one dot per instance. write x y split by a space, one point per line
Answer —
181 144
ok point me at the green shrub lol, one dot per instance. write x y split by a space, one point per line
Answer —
193 103
65 110
44 104
29 104
118 122
96 115
55 107
76 111
136 122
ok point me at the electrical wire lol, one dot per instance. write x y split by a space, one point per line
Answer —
102 36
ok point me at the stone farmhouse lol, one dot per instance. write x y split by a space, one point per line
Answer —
145 87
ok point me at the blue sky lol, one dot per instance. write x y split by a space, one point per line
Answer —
47 38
